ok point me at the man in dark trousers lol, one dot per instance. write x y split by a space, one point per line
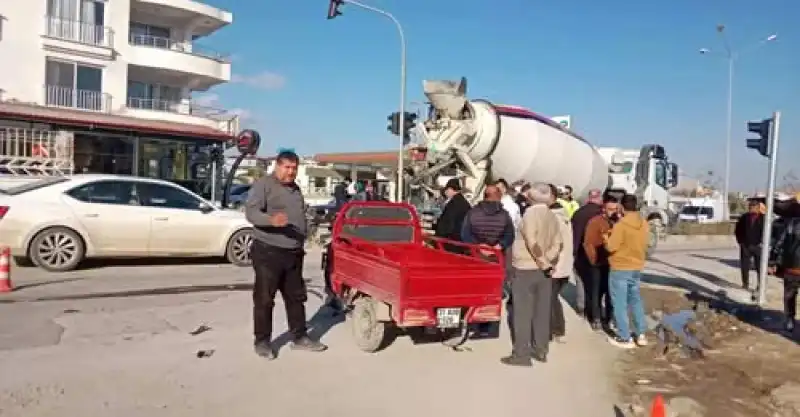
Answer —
748 235
451 220
580 219
275 208
784 261
489 224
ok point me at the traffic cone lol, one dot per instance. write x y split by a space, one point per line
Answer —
658 410
5 270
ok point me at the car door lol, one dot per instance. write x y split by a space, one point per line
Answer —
110 213
178 225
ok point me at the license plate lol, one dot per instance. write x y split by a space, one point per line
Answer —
448 317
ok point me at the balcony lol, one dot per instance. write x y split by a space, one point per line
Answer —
69 36
71 98
198 67
183 112
202 18
185 47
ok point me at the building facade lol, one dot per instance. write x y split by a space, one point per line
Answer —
137 58
108 85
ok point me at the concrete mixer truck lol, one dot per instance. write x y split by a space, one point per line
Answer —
479 141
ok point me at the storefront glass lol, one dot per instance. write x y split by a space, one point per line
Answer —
185 163
104 154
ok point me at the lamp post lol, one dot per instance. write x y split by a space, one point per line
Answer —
730 56
333 11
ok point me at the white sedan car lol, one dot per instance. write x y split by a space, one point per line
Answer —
57 222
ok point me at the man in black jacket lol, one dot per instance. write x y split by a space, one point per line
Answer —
748 235
785 260
451 220
580 219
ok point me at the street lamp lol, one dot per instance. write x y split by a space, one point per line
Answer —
731 56
333 12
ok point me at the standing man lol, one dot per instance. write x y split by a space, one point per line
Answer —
275 208
534 254
627 246
580 219
597 264
785 261
748 235
508 202
450 222
568 202
340 193
562 270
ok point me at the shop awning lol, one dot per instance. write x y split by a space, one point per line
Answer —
90 120
320 172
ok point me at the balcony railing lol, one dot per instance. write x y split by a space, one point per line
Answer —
153 104
81 32
68 97
185 47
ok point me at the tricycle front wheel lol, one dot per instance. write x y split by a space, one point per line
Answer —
369 333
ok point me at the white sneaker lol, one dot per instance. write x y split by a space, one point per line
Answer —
622 343
641 340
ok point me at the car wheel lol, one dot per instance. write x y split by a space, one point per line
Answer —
57 249
238 249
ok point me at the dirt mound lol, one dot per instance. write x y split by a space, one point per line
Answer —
710 357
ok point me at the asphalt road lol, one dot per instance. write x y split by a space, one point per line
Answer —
115 340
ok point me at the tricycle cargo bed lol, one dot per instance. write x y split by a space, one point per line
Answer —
378 250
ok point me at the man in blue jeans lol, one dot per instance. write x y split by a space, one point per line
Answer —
627 245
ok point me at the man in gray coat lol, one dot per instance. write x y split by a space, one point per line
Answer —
275 207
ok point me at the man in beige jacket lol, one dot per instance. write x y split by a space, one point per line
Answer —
534 254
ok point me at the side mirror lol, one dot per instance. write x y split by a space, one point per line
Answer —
672 174
206 208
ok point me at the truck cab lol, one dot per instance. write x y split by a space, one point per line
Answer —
646 173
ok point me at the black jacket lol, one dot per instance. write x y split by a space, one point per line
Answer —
580 219
488 223
452 218
785 253
748 229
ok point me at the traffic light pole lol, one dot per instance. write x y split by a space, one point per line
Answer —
401 153
766 235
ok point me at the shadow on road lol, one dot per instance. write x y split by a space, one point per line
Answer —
318 325
733 263
43 283
137 262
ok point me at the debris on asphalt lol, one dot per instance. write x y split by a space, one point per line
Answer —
207 353
200 330
71 311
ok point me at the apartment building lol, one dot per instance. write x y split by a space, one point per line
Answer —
118 75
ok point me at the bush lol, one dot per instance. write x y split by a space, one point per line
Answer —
683 228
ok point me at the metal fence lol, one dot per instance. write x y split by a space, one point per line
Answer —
77 31
58 96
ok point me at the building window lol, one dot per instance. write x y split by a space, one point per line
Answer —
73 85
153 96
148 35
104 154
78 20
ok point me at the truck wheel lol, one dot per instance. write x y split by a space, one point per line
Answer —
368 332
455 337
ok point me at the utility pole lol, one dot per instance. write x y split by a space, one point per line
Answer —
333 12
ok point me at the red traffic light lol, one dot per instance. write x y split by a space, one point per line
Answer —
248 141
333 9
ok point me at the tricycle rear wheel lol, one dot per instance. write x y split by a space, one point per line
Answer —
369 333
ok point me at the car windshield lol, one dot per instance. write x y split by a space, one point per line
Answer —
33 185
697 211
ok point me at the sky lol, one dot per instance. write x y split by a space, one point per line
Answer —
628 72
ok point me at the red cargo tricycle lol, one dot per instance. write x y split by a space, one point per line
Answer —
388 276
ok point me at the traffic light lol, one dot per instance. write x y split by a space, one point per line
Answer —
764 131
394 123
333 9
409 121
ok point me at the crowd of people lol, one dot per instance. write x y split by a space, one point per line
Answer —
546 238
